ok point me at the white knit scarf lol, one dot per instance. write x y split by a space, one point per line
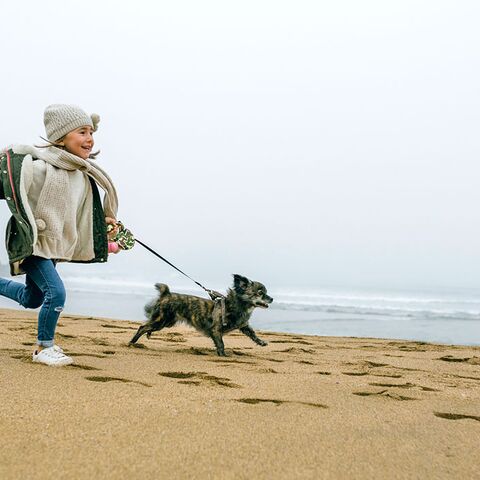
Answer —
63 160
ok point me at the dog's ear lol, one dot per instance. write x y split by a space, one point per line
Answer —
240 282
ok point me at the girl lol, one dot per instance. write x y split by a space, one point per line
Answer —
57 216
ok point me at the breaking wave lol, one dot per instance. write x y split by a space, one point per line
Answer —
450 305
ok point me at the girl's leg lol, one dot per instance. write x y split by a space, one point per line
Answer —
28 295
43 274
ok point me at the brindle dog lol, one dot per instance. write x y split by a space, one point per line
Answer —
205 315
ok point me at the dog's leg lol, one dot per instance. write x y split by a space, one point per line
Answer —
249 332
216 331
218 341
147 328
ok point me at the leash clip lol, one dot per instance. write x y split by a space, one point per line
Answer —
214 295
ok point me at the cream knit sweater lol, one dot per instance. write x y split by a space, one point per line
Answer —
57 197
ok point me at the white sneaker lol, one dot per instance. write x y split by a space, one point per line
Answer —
52 356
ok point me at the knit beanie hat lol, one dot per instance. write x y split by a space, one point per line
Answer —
61 119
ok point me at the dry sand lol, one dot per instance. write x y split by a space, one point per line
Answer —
303 407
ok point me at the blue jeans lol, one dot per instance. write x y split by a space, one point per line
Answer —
43 287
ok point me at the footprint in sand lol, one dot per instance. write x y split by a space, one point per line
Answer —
266 370
456 416
409 369
115 379
180 374
195 351
199 378
470 360
82 367
368 363
301 342
468 378
393 375
385 394
228 360
256 401
410 348
404 385
106 325
24 358
241 354
296 350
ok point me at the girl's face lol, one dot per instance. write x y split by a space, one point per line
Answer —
79 142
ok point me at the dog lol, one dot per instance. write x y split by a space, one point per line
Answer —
206 315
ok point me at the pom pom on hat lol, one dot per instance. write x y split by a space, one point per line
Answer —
60 119
95 120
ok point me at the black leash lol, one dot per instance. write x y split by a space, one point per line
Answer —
212 293
217 297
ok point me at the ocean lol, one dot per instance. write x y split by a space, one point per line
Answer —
449 316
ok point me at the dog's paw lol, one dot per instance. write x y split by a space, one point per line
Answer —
262 343
221 353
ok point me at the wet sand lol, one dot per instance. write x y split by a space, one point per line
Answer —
302 407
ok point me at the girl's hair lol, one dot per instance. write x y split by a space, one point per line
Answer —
57 144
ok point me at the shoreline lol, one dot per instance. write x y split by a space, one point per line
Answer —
305 406
446 332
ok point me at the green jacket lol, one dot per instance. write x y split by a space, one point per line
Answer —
19 235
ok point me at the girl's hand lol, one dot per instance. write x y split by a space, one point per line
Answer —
111 221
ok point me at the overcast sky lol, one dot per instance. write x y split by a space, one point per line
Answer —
299 143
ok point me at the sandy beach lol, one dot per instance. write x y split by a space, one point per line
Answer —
302 407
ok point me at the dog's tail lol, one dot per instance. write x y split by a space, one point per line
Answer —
152 308
163 289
